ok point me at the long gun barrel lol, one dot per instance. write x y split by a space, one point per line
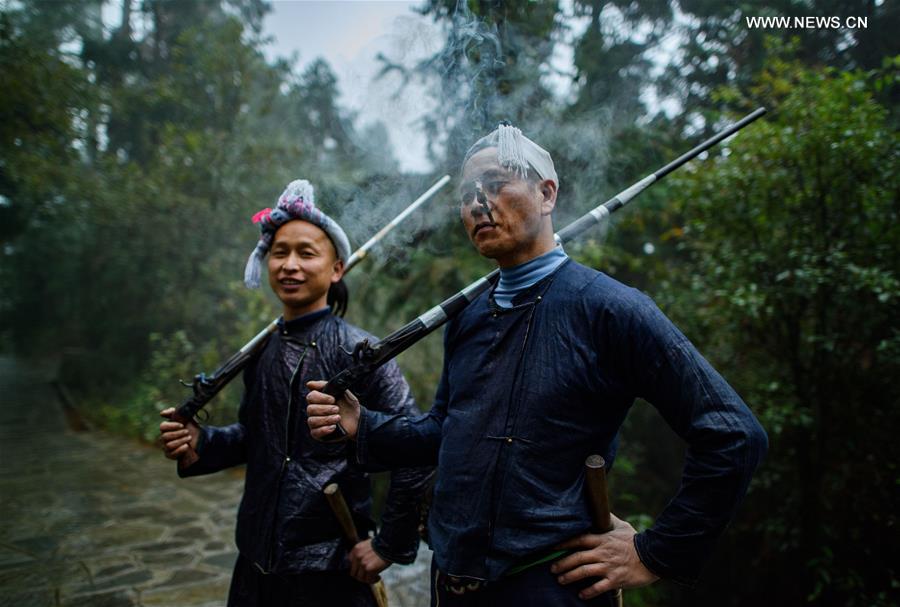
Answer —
370 357
364 250
205 387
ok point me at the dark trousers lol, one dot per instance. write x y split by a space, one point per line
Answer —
252 588
534 587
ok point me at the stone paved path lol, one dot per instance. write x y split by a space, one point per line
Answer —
88 519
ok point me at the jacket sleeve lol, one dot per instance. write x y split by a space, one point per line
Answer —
725 441
398 538
391 440
221 447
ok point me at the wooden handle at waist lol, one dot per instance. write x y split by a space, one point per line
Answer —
341 511
598 499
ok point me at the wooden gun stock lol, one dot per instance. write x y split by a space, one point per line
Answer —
190 457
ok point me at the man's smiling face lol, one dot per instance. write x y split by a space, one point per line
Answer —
302 267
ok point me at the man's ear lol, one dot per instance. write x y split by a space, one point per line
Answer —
547 188
338 269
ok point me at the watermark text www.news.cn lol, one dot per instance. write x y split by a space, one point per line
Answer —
808 22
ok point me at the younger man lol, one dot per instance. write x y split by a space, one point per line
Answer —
291 551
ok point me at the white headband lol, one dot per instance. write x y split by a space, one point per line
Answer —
516 152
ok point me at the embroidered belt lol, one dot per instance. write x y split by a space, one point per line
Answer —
457 585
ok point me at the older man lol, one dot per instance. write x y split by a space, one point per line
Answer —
540 372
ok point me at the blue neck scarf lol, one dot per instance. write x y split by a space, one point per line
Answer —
516 279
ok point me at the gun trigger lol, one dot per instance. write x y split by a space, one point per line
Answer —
362 348
358 350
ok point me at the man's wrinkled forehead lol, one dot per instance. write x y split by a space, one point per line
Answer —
484 165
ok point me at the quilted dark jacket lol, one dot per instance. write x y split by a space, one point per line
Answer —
284 523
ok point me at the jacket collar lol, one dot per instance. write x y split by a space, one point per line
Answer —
530 295
301 324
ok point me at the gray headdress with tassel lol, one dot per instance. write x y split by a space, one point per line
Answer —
296 202
516 152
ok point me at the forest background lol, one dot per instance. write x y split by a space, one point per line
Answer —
131 159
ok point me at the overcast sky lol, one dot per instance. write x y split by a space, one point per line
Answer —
349 35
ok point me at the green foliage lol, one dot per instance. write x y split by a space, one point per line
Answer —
611 59
131 161
791 249
138 414
719 48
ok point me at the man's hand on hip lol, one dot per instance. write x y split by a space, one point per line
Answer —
609 556
324 411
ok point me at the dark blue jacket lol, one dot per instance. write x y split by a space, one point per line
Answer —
284 523
528 393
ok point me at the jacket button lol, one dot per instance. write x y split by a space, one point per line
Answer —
287 459
509 440
313 344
